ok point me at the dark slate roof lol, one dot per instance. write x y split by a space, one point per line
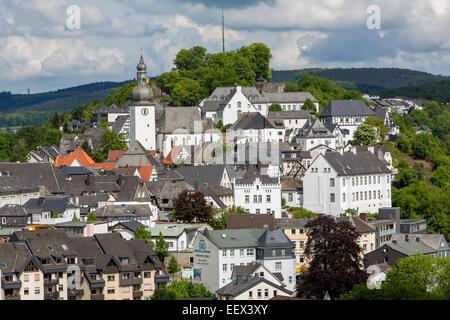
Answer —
359 224
315 128
246 270
15 184
293 114
242 284
13 210
213 105
130 225
211 174
432 240
274 238
346 108
380 113
14 257
234 238
55 204
123 211
288 223
36 174
120 121
290 184
74 171
246 221
253 172
252 120
364 162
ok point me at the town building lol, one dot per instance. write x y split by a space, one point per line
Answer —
339 181
348 114
258 193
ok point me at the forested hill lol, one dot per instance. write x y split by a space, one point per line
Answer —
372 79
59 100
435 90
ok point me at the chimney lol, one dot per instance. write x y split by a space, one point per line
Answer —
363 216
417 239
394 241
406 238
42 191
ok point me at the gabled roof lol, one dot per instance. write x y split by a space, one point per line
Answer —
145 172
346 108
211 174
36 174
54 204
13 210
359 224
349 163
274 238
246 221
177 118
130 225
123 211
315 128
290 184
252 120
432 240
286 97
288 223
410 248
136 156
114 155
172 155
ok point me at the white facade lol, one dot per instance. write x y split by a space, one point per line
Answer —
19 197
293 198
350 123
284 266
259 198
326 192
142 126
258 135
307 143
237 105
186 139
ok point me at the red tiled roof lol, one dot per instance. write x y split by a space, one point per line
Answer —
114 155
152 152
78 154
172 155
145 172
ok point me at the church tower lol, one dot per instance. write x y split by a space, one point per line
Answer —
142 111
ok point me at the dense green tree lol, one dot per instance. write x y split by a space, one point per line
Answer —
167 81
173 267
364 135
335 258
441 177
120 95
378 125
187 92
142 233
275 107
180 289
414 278
92 217
258 54
87 148
300 213
423 145
309 105
190 59
290 87
405 176
161 248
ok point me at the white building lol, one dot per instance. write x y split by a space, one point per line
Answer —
183 126
142 111
315 133
228 103
348 114
217 252
258 193
175 236
254 127
337 181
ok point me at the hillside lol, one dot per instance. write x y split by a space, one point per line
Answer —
60 100
373 79
435 90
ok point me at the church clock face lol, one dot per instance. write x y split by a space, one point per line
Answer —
144 111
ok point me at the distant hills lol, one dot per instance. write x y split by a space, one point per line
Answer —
435 90
370 79
59 100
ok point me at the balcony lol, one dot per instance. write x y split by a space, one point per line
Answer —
137 294
130 282
75 292
12 298
13 284
50 282
51 295
98 296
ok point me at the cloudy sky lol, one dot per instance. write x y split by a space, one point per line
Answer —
38 50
